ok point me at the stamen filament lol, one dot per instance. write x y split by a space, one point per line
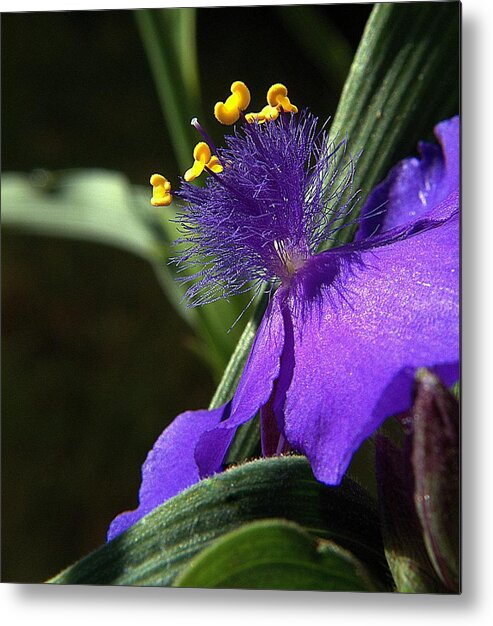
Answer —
205 135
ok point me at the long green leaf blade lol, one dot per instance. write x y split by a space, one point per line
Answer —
169 40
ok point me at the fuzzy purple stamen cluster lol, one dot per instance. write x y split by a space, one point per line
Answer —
268 210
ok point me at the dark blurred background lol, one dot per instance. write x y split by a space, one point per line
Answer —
95 362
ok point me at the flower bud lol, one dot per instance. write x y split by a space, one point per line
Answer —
435 461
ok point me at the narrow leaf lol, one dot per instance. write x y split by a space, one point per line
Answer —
233 371
246 443
169 40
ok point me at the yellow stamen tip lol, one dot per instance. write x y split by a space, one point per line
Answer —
277 96
215 165
191 174
202 152
275 92
229 112
157 179
241 94
268 113
202 159
161 189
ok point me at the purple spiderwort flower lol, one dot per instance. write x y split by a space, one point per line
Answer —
343 334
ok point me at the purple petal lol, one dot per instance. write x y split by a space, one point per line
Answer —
253 391
359 325
414 186
170 466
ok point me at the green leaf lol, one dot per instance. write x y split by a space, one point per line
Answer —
275 554
246 443
233 371
455 390
170 43
156 549
419 496
403 80
94 205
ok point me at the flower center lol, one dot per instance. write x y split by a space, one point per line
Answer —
290 260
271 197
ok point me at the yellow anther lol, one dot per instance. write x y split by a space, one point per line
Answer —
202 152
268 113
202 159
161 190
228 112
215 165
277 96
